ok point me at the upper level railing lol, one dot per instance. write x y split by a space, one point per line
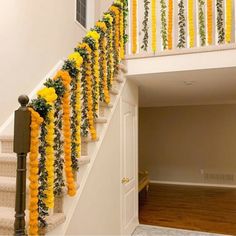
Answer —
157 27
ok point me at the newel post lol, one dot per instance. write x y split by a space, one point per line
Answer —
21 148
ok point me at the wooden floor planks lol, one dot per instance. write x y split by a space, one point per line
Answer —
206 209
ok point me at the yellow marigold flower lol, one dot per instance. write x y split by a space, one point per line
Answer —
85 46
93 34
109 17
49 94
101 25
77 58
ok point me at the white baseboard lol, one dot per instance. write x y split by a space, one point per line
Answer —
193 184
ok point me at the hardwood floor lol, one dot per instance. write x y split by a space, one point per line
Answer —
205 209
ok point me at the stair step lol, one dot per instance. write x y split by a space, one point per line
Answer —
89 140
83 160
6 144
119 79
103 104
8 191
123 68
114 91
101 120
7 220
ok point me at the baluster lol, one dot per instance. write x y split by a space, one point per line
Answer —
21 148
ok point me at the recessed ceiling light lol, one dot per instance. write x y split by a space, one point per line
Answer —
189 83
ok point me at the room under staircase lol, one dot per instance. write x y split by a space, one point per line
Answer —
8 165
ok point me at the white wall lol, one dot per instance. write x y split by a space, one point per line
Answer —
180 144
98 210
34 36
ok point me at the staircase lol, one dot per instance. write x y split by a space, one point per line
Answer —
89 149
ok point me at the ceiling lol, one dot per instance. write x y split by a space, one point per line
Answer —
201 87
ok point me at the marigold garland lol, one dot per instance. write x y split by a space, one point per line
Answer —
50 96
154 26
228 21
109 20
36 122
122 46
66 79
191 23
170 24
209 21
134 26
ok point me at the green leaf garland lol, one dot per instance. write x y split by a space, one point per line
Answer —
182 24
145 25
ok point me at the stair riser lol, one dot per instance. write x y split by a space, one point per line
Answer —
8 169
7 146
7 199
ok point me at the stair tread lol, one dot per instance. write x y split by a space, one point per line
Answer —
103 104
6 137
101 119
114 91
8 157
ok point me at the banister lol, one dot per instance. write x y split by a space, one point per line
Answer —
21 148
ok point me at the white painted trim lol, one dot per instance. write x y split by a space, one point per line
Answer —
183 51
193 184
32 95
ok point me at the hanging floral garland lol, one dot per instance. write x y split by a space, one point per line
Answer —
134 26
104 57
220 21
108 19
120 6
163 24
42 107
50 96
92 39
170 24
113 11
126 15
145 25
57 84
228 21
209 21
66 129
182 24
191 23
36 122
154 27
201 19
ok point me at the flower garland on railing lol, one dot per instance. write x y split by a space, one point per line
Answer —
228 21
163 24
220 21
36 122
201 19
170 24
209 21
134 26
145 25
154 27
108 19
191 23
182 24
66 108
